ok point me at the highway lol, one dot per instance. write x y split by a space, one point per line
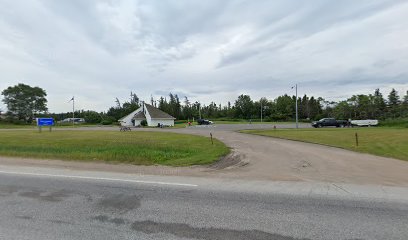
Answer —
48 203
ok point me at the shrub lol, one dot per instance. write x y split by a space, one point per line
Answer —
106 122
143 123
397 122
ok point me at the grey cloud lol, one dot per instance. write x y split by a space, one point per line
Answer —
166 92
290 24
383 63
190 48
82 14
357 78
203 91
237 57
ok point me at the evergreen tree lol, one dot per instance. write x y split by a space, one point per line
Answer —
393 98
393 103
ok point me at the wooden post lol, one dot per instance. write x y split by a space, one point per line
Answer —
356 140
212 141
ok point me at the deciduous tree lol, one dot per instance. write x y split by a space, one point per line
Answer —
24 101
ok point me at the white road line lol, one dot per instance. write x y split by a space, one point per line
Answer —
101 178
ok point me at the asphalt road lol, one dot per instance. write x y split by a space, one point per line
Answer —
42 204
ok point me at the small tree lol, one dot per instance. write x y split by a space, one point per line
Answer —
244 106
393 102
393 98
24 101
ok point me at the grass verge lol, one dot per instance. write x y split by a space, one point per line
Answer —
139 148
248 122
387 142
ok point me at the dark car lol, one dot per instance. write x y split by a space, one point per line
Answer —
204 122
329 122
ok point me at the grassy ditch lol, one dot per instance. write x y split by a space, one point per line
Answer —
387 142
139 148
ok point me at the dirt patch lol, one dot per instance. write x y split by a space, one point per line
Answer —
232 160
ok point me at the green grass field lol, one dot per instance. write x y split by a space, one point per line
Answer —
247 122
387 142
14 126
139 148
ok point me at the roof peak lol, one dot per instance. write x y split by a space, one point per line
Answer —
157 113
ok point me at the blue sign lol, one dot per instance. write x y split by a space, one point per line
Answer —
45 121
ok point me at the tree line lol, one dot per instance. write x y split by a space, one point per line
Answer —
282 108
24 103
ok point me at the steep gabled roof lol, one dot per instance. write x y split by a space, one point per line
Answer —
132 113
139 116
156 113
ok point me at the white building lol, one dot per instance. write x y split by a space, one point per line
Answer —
147 112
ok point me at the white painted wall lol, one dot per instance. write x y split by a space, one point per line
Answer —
137 122
148 118
154 122
127 120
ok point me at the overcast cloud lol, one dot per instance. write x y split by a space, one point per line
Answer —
206 50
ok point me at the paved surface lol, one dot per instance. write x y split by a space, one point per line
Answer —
278 159
100 205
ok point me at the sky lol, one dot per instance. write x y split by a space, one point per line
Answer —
212 50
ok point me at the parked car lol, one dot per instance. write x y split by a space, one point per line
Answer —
330 122
204 122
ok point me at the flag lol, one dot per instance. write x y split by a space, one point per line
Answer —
72 99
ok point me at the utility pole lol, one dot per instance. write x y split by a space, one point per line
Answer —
261 110
199 110
73 112
297 122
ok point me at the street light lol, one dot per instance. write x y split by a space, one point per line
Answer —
73 110
199 109
262 108
297 124
198 104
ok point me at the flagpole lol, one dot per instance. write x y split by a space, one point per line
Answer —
73 111
297 122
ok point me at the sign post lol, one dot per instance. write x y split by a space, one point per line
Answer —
41 122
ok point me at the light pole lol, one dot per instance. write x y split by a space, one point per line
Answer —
73 110
297 124
199 110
